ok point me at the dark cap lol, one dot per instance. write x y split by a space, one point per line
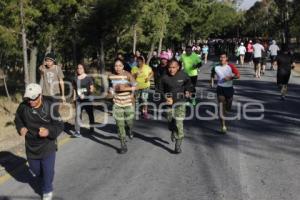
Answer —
50 56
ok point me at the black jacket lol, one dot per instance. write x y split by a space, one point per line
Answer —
175 86
33 119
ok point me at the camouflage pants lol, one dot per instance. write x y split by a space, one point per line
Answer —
124 119
175 117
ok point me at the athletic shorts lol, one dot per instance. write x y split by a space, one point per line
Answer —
273 58
263 61
283 77
257 61
227 92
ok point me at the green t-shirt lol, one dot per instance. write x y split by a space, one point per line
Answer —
189 64
142 74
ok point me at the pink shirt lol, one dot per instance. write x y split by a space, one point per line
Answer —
250 48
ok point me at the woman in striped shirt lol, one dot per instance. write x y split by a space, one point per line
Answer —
122 86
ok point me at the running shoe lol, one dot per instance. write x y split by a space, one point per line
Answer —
224 130
77 135
47 196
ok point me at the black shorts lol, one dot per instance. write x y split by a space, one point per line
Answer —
257 61
227 92
263 61
273 58
283 77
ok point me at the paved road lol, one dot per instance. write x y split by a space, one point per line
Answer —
256 160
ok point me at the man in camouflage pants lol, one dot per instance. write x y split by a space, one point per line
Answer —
176 87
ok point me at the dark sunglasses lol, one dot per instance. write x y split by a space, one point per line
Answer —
29 99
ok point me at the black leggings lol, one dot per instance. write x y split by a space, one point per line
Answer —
194 80
89 110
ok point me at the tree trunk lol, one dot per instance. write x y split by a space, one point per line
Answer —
150 52
49 47
160 44
134 39
102 57
117 46
74 51
32 65
24 44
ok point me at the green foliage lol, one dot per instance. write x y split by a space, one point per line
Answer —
76 27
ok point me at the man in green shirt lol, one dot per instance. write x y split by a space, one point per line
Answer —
191 62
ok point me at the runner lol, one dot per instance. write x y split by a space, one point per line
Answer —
142 73
285 63
40 126
122 86
274 49
154 64
161 69
264 56
205 50
83 88
176 87
258 50
242 51
226 73
191 63
52 80
237 54
250 52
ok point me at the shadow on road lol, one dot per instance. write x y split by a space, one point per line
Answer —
16 167
25 198
154 140
277 132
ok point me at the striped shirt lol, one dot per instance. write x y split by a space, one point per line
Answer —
122 99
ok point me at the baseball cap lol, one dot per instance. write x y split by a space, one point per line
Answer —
242 44
32 91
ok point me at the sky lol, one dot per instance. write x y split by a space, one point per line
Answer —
247 4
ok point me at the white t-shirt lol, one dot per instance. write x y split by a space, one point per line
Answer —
274 49
242 50
222 72
258 49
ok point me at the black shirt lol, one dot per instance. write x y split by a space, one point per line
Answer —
284 62
175 86
82 86
33 119
154 63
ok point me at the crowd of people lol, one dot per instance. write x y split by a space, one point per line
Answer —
175 77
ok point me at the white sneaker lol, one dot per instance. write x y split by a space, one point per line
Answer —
47 196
